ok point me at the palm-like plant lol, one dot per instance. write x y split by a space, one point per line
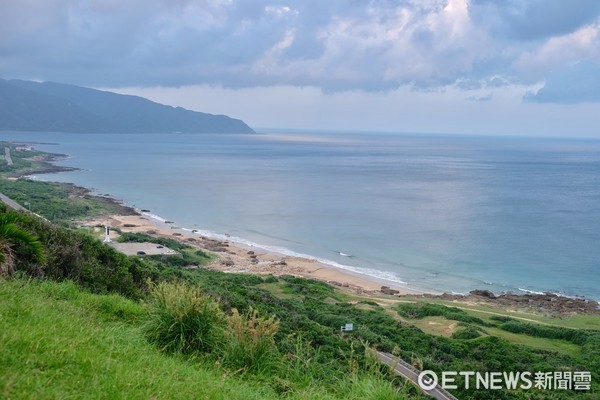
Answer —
11 234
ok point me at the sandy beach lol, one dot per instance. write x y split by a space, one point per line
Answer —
237 257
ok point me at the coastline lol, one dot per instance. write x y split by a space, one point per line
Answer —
239 257
45 165
235 256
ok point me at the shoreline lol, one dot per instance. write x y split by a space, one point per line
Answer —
239 257
238 253
235 257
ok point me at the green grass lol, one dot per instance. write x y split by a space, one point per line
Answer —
54 201
59 345
278 290
22 160
561 346
441 319
59 342
436 325
485 312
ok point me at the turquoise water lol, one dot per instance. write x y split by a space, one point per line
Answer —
435 212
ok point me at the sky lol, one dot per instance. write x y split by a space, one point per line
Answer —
511 67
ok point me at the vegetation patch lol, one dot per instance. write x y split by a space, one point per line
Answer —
421 310
58 202
189 254
54 338
58 346
553 345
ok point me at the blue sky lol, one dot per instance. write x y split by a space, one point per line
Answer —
512 67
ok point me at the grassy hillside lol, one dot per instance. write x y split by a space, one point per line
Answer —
61 342
304 354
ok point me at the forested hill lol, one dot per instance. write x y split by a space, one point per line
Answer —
48 106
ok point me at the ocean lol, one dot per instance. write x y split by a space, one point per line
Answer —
433 212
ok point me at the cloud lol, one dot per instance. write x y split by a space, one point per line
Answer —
534 19
579 83
560 52
334 45
487 97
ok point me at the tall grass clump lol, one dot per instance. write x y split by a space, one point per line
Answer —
183 320
301 366
250 342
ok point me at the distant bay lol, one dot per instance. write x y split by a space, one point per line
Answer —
448 213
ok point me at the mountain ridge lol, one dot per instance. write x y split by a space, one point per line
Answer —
51 106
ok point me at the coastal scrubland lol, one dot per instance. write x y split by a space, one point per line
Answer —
93 323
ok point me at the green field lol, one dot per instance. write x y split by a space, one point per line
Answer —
485 312
60 342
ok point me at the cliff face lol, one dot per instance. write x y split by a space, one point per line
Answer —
33 106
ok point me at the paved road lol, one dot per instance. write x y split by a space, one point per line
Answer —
7 156
402 368
11 203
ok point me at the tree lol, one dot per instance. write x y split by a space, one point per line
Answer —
12 234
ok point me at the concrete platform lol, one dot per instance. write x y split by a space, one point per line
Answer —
150 249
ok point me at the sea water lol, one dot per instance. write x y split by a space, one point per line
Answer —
447 213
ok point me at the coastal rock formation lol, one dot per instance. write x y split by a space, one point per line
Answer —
483 293
388 290
546 303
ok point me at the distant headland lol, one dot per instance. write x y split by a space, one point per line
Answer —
49 106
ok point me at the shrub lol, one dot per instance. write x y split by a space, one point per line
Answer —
467 333
501 318
421 310
76 256
183 320
577 336
250 342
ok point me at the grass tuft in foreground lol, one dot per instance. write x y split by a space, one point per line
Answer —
182 320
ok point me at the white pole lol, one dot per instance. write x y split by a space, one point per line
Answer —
107 238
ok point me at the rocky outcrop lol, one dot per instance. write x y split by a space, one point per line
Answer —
483 293
388 290
546 303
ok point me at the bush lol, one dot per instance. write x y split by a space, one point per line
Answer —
577 336
76 256
250 342
501 318
421 310
467 333
182 320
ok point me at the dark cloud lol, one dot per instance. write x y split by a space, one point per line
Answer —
335 45
534 19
